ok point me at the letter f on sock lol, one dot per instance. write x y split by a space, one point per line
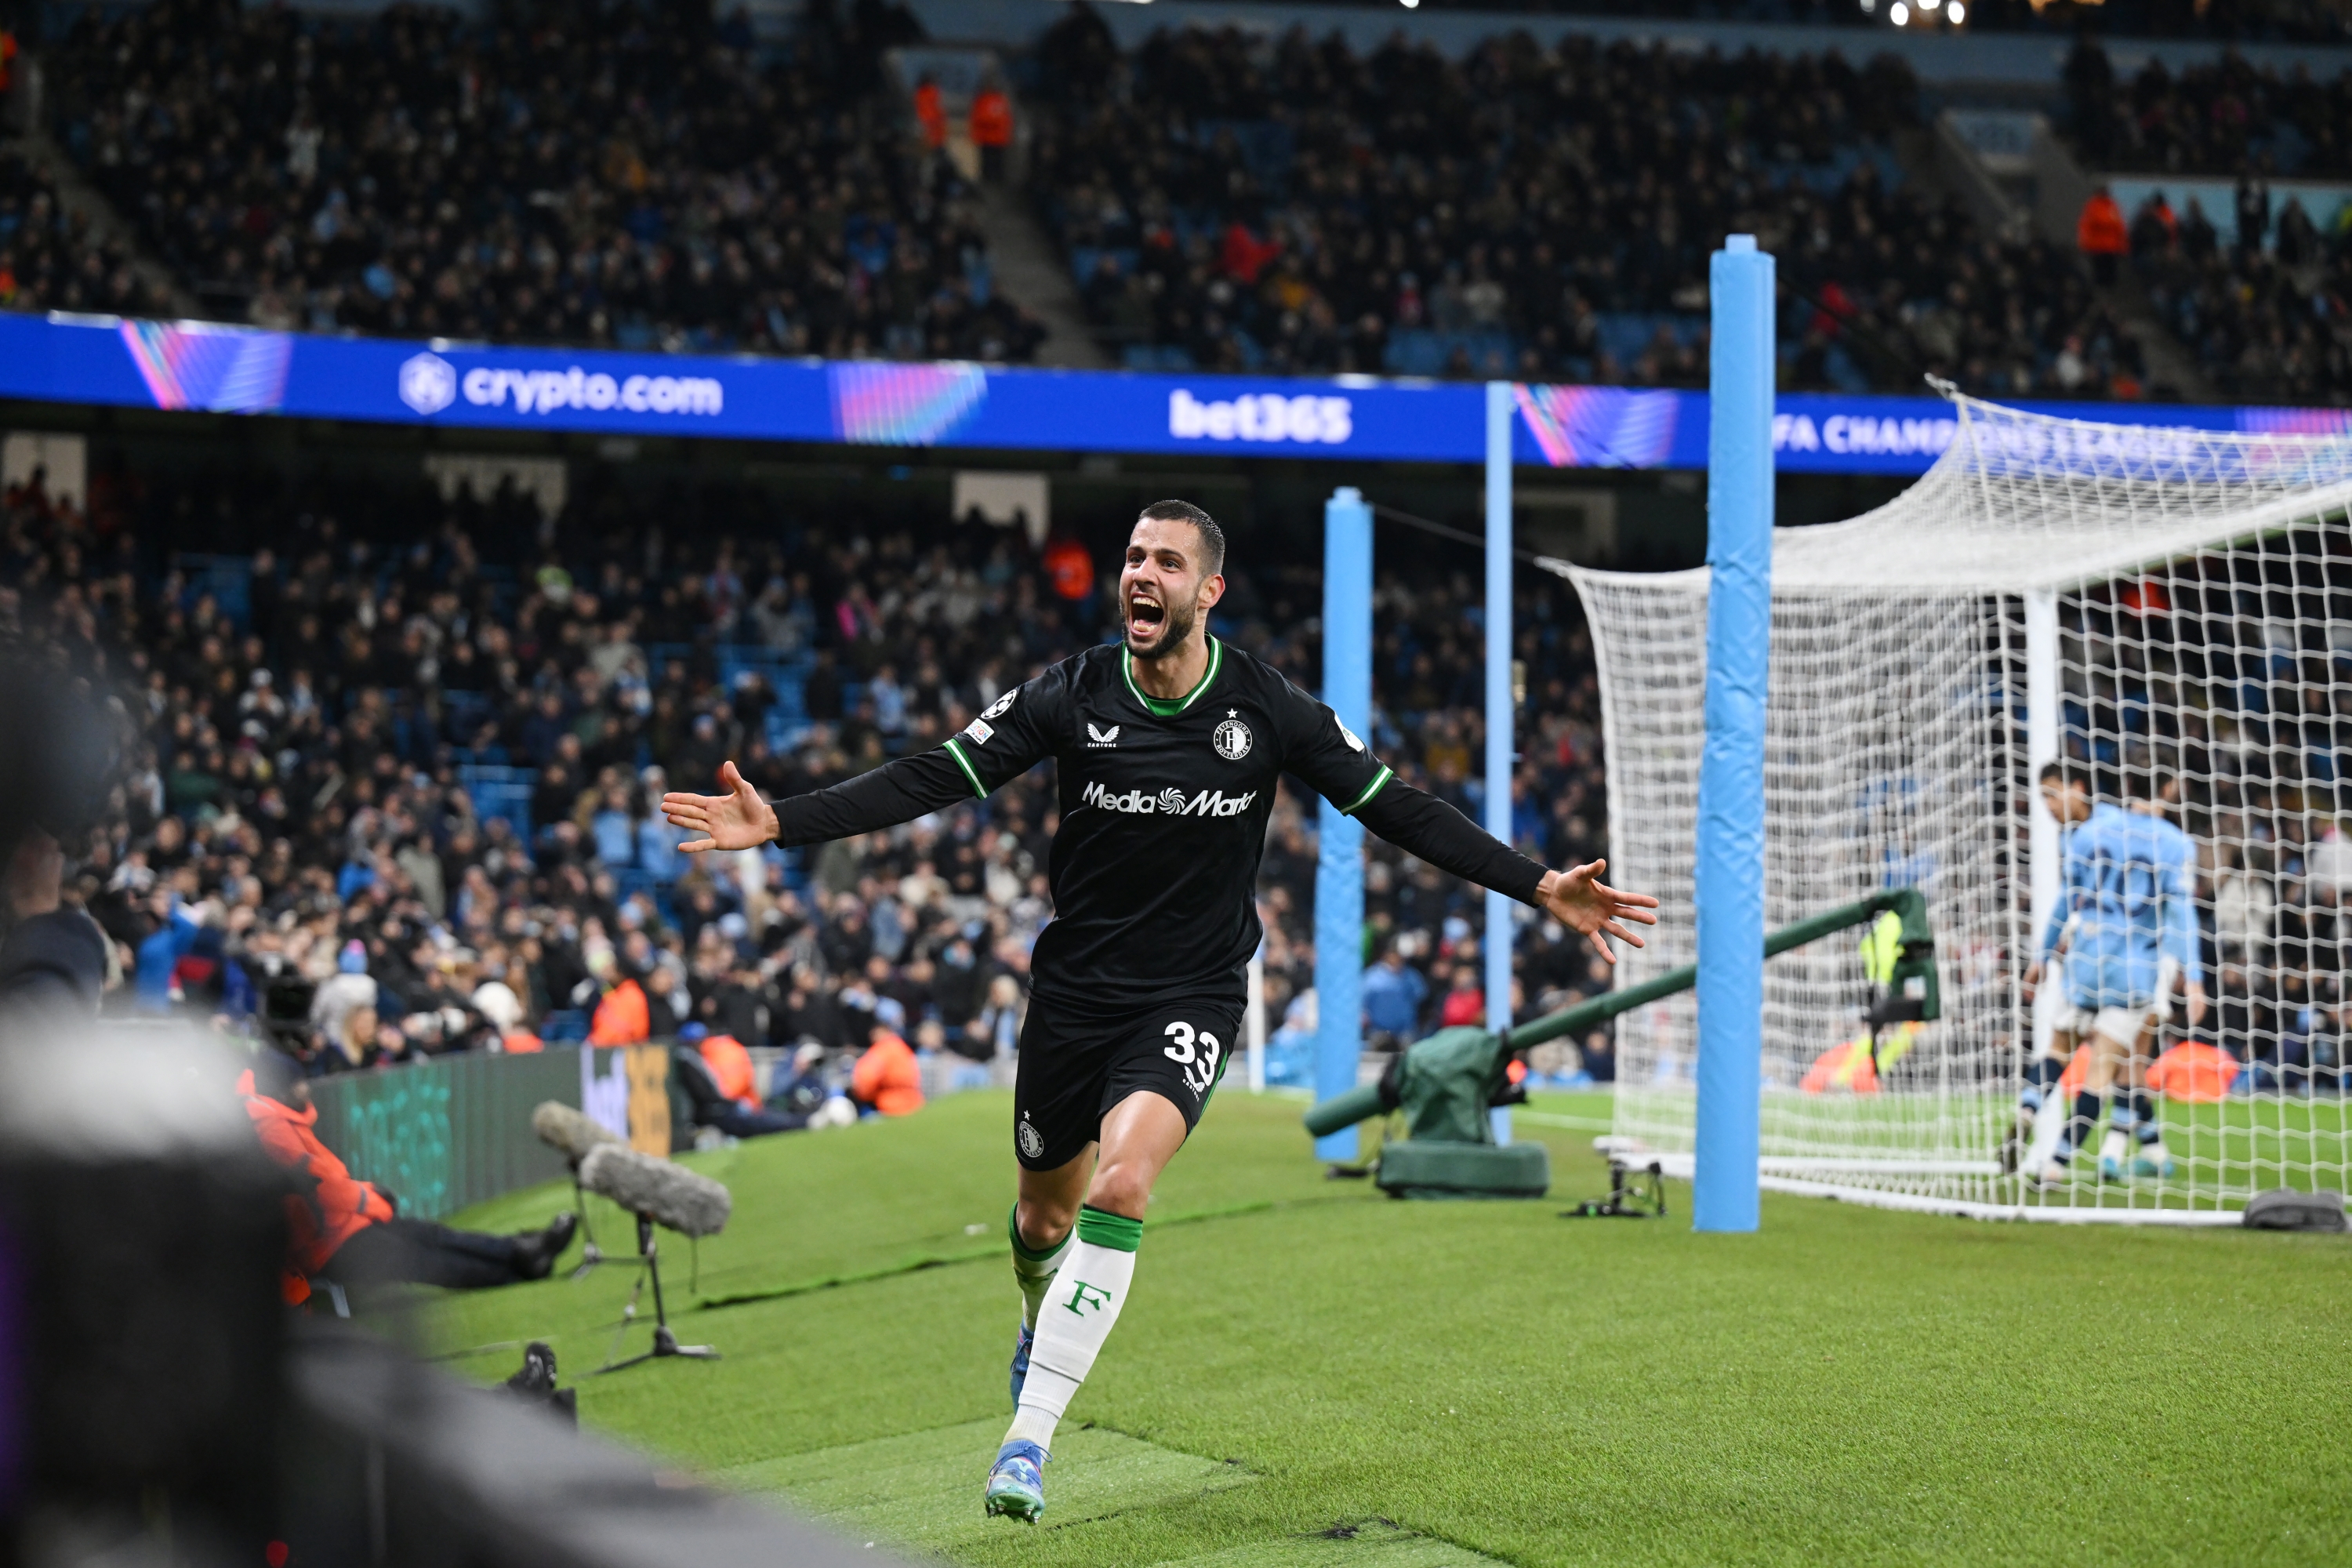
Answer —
1086 1296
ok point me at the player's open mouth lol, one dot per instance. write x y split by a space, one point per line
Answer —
1145 616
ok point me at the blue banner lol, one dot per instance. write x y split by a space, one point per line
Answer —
202 366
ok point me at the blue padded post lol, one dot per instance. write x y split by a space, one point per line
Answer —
1339 839
1728 886
1499 749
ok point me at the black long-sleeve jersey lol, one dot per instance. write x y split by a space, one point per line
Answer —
1164 810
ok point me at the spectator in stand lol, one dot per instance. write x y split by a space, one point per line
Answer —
991 128
1393 995
2101 235
53 959
1465 1003
888 1081
930 112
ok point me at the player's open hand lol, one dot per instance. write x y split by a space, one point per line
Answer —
738 819
1579 900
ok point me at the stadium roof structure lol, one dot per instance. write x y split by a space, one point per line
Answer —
2026 502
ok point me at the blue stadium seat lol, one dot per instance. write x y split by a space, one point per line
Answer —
564 1026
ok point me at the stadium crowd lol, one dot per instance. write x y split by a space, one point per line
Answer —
1231 204
49 262
2209 119
389 791
593 174
2268 310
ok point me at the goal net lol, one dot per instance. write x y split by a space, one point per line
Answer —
2141 603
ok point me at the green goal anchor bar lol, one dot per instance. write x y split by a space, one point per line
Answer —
1908 986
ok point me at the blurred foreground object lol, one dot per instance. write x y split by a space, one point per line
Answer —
158 1405
139 1233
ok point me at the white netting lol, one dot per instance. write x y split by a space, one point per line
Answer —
2142 601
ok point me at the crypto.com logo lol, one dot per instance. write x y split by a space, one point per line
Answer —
428 383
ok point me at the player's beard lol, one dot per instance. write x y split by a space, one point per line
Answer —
1176 623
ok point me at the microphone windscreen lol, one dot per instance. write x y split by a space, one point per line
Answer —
670 1194
563 1128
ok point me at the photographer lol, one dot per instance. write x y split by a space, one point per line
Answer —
349 1230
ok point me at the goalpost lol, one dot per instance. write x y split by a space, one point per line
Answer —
2164 603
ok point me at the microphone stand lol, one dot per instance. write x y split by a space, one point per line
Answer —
665 1341
590 1254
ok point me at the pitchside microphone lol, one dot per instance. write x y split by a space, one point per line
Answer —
562 1128
667 1193
657 1193
572 1135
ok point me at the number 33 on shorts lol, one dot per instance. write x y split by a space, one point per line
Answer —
1201 1067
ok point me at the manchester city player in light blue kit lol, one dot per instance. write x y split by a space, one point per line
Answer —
2130 889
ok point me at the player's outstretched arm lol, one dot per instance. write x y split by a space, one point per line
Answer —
1579 900
897 791
738 819
1424 825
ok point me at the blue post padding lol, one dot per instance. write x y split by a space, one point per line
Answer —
1339 840
1728 888
1499 411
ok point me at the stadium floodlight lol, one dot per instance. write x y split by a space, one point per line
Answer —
1958 13
1899 13
2160 608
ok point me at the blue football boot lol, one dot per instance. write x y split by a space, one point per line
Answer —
2157 1167
1021 1343
1016 1483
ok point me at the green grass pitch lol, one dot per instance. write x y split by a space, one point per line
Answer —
1309 1374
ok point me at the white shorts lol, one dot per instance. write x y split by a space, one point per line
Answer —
2075 1021
2122 1024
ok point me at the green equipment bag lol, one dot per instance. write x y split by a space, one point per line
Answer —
1439 1168
1443 1083
1444 1086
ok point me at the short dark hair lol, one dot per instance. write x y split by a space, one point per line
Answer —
1213 538
2065 775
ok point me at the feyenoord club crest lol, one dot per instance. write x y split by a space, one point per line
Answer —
1233 737
1032 1143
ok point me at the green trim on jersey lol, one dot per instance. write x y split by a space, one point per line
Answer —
1370 790
1169 707
978 788
1100 1227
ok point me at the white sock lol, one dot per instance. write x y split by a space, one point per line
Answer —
1033 1270
2116 1144
1089 1291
